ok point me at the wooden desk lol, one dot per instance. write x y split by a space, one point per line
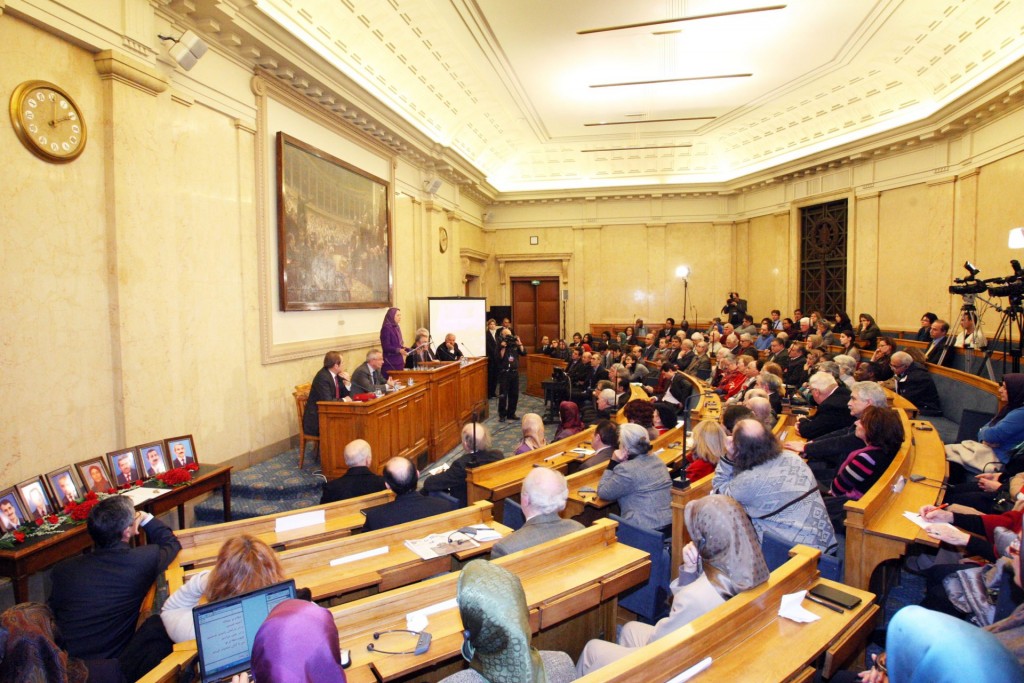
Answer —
578 502
38 554
444 406
499 480
473 390
310 565
680 536
876 530
709 407
538 369
896 401
570 576
747 640
395 424
200 545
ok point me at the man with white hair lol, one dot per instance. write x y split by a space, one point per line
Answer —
747 346
543 497
358 480
833 407
700 367
476 442
825 453
914 383
606 404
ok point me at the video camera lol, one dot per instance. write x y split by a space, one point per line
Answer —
970 285
1010 286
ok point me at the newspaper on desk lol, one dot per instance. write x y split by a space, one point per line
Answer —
448 542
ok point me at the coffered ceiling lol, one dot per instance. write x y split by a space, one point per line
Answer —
509 85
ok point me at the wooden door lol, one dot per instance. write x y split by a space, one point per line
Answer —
536 310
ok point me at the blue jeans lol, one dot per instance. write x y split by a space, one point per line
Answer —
923 646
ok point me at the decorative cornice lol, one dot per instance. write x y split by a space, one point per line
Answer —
473 254
115 66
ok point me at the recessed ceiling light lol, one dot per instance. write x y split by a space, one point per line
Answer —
670 80
695 17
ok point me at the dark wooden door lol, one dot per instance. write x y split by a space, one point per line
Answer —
535 310
823 232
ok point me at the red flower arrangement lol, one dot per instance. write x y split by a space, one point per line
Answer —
79 511
19 537
179 476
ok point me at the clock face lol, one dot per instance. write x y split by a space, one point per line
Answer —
443 240
48 121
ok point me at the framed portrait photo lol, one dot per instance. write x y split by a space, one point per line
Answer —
153 458
12 512
181 450
63 487
94 475
124 466
35 499
334 231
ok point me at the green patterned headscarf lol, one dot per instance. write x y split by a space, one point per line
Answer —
497 623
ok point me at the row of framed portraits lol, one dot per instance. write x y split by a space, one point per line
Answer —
48 494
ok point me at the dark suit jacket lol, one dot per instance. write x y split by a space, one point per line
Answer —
413 359
795 373
781 359
363 384
680 388
321 389
443 353
932 354
776 402
832 414
593 376
407 507
453 480
96 597
358 481
916 386
700 367
833 448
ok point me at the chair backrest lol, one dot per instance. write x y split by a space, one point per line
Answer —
513 516
301 395
648 599
970 422
776 554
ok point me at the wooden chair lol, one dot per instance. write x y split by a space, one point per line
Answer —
301 395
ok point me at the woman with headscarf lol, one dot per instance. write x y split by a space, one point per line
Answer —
868 332
722 560
391 343
297 643
497 636
570 422
972 464
533 433
30 651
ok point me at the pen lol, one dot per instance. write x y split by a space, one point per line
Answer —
825 604
941 507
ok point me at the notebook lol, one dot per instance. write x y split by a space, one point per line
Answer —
226 629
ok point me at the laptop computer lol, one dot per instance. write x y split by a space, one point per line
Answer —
226 629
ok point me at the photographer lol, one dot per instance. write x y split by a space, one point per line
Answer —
735 308
507 353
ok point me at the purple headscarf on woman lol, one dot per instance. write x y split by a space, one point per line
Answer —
298 643
391 342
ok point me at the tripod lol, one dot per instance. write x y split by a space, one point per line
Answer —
967 309
1013 318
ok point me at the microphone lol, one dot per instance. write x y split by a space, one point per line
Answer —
920 479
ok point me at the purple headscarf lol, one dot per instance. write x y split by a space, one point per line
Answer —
298 643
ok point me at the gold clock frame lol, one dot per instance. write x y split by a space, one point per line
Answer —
16 107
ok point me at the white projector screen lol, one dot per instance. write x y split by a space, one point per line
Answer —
465 317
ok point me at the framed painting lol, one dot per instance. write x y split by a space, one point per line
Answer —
35 498
153 457
182 451
333 231
63 487
12 512
124 465
94 475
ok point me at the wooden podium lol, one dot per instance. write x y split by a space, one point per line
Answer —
426 417
538 369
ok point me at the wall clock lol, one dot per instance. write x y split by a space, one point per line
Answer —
443 239
47 121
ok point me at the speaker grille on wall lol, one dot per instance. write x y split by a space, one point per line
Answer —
188 50
432 185
565 295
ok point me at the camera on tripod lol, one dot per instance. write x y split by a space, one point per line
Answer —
966 286
1010 286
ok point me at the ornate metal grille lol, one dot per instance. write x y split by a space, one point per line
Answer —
823 230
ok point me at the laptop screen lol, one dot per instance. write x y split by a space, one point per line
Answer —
226 629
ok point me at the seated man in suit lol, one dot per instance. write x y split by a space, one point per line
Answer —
604 442
409 505
914 383
543 496
476 442
449 351
358 480
833 412
939 332
420 352
331 383
595 373
96 597
367 378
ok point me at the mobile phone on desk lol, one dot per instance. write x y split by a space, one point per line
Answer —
835 596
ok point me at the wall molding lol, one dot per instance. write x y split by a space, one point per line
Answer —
114 66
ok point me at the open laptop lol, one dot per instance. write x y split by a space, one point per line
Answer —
226 629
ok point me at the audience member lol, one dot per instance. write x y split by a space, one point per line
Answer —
848 345
972 462
733 414
868 332
882 357
709 441
641 413
30 651
938 342
665 417
533 433
776 488
970 336
638 480
543 496
358 480
96 597
570 422
833 411
722 560
476 442
409 505
914 383
297 643
604 442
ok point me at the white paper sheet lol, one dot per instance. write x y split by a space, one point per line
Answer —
143 493
417 621
923 523
300 520
383 550
691 672
792 610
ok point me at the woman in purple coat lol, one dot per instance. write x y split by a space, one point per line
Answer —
391 342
